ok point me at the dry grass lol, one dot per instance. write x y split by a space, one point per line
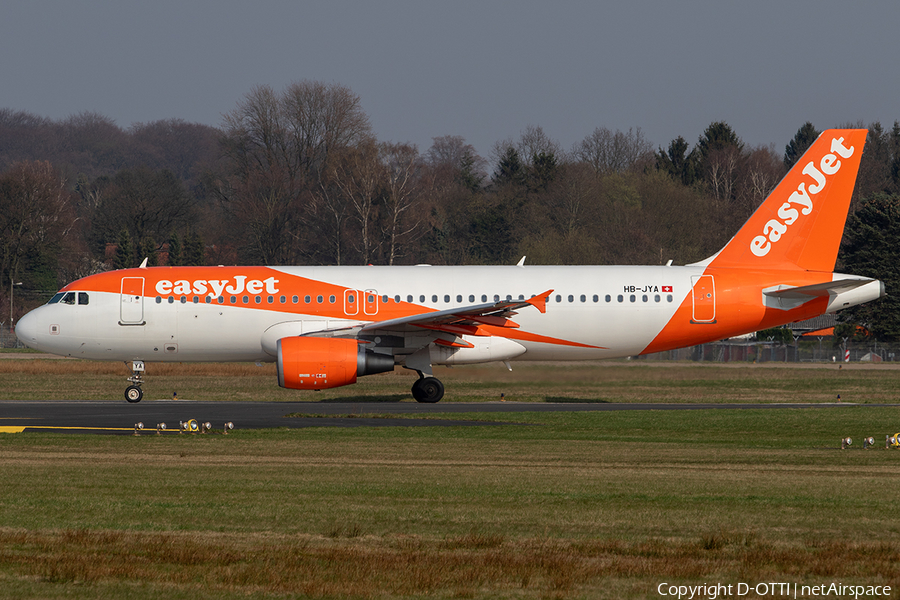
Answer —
469 566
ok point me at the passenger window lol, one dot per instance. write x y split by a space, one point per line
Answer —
608 298
471 297
409 298
459 297
331 299
620 298
656 298
633 298
571 298
644 297
584 298
669 298
159 299
320 299
484 297
447 298
558 298
597 298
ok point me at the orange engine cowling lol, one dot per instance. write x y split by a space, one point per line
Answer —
312 363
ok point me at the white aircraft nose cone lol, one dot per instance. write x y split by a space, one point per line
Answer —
27 328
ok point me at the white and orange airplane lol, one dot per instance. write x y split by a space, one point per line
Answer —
326 326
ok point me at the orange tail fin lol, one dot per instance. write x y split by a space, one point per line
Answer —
801 222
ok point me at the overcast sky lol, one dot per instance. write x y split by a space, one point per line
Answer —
482 70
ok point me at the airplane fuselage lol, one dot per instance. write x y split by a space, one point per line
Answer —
224 313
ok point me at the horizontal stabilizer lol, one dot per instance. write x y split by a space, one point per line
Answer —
847 291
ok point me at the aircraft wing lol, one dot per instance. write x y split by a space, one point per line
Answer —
463 319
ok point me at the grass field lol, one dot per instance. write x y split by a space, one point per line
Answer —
556 505
25 378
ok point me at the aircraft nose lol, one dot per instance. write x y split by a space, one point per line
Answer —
27 329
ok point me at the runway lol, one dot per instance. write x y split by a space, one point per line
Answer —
120 417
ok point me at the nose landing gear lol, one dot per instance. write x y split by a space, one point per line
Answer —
134 393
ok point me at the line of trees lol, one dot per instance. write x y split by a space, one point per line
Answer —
298 176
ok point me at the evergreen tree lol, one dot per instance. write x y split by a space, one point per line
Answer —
543 170
469 176
193 254
803 139
718 136
149 251
871 248
124 257
175 254
677 162
510 168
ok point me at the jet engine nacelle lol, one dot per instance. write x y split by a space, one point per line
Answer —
312 363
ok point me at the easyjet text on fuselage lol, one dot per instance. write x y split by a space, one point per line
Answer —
216 287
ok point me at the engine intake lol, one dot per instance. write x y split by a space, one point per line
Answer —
313 363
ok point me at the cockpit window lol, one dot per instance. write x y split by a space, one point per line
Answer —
83 298
69 298
56 297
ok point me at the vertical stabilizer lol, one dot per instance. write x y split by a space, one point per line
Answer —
801 222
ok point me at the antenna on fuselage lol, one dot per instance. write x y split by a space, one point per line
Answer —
143 264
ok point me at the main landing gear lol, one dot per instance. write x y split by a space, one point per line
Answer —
427 389
134 393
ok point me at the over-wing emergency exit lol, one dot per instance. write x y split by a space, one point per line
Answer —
326 326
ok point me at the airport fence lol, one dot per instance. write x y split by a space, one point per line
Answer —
8 338
816 350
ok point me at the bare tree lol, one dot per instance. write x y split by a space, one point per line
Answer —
279 149
404 188
613 152
35 217
359 175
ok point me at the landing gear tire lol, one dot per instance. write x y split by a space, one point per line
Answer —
428 389
133 393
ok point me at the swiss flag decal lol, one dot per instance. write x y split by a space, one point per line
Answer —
667 288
